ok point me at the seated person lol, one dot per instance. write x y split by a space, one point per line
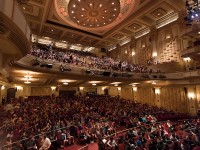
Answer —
68 138
112 144
46 143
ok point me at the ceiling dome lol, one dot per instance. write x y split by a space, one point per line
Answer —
94 14
90 13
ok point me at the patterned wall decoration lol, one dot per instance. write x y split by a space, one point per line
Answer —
174 98
127 93
169 45
146 95
42 91
144 49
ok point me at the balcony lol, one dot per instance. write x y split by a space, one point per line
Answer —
14 30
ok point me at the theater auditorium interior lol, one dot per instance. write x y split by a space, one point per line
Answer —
99 74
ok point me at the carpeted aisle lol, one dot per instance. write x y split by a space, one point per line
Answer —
92 146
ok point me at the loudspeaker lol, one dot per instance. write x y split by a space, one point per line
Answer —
185 90
49 65
154 76
115 74
43 65
106 73
103 50
87 71
162 76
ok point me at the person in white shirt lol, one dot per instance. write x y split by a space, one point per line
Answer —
46 143
112 143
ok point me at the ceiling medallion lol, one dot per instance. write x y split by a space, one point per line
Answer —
93 14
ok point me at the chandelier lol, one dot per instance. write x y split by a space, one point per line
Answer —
193 11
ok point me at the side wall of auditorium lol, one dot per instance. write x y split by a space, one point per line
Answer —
178 98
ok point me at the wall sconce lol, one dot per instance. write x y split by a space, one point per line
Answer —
157 91
155 54
3 87
103 88
53 88
133 53
126 51
191 96
119 88
168 36
187 59
134 89
19 88
143 46
81 88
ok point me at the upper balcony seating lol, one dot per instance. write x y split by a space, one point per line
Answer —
85 59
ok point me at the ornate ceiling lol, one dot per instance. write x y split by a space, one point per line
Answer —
54 18
93 15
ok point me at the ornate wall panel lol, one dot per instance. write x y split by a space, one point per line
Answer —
174 98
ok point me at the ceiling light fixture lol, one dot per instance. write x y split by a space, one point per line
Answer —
154 82
27 82
94 84
65 83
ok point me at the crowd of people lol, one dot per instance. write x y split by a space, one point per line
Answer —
84 118
86 60
179 135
